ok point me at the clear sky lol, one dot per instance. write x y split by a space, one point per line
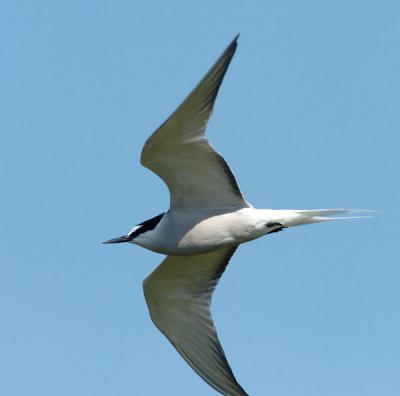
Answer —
307 117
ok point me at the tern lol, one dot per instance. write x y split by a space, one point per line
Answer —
207 220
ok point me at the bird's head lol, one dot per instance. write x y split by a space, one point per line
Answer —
138 230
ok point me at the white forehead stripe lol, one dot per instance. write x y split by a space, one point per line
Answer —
134 229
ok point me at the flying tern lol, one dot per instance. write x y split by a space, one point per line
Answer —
207 220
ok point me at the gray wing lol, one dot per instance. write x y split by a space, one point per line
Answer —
180 154
178 294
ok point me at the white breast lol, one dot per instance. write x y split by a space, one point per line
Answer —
183 233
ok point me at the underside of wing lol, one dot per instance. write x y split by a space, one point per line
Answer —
180 154
178 294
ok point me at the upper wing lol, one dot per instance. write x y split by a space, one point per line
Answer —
179 153
178 294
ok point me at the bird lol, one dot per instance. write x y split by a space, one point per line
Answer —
208 218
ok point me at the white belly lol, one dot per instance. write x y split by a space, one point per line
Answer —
189 233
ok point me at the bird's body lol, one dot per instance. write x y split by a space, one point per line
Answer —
185 233
182 233
207 220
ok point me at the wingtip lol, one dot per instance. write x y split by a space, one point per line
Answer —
235 41
233 44
230 49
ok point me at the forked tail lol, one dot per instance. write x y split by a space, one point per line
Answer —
320 215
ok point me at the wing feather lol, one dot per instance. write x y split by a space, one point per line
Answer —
180 154
178 294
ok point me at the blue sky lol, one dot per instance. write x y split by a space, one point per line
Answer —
307 117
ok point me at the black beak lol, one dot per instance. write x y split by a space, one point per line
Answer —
125 238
